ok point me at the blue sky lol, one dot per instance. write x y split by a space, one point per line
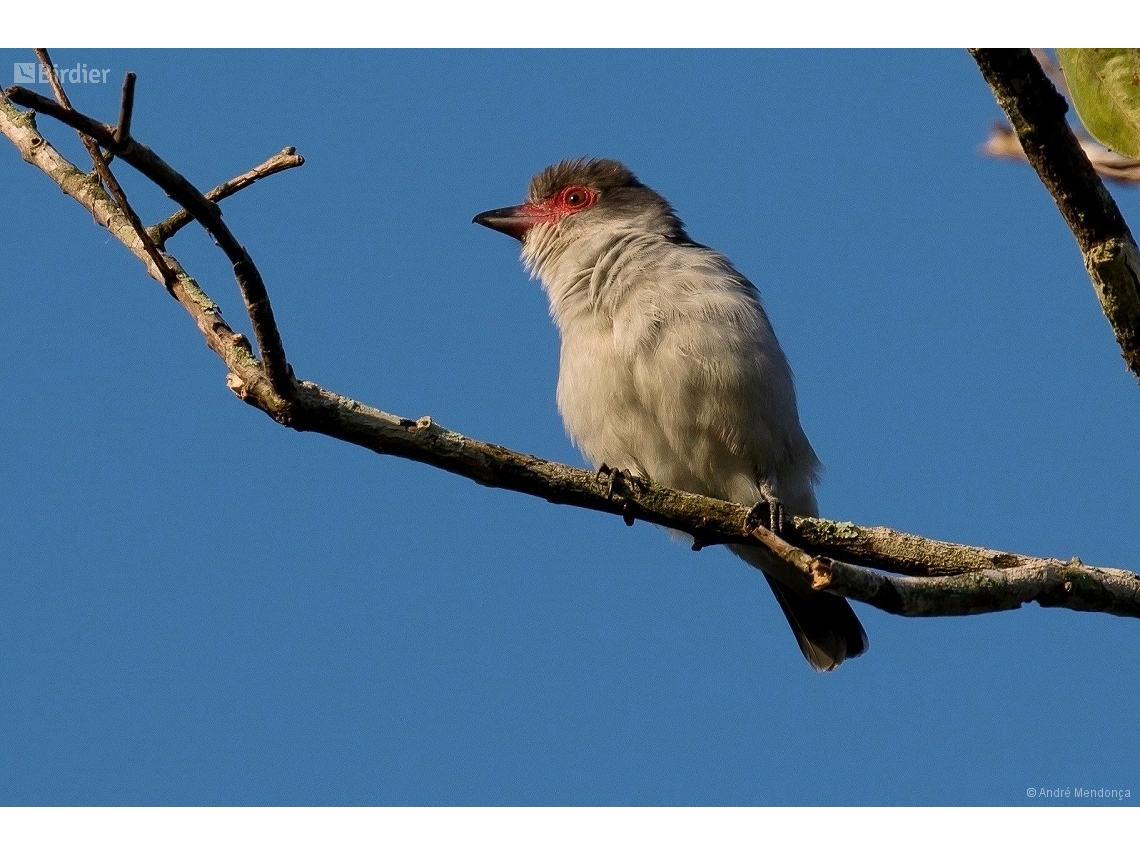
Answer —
200 607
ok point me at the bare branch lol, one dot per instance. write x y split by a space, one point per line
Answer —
1047 582
1052 69
232 347
959 579
899 552
287 158
176 186
983 580
61 96
1037 113
103 169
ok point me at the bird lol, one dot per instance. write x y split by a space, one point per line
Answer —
669 368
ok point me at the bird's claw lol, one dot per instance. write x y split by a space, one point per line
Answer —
612 477
608 474
768 513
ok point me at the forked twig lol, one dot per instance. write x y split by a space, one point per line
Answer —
103 169
285 159
249 280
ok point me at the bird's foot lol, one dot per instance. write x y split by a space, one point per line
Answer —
768 512
615 476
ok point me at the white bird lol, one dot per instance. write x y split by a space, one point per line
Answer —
669 366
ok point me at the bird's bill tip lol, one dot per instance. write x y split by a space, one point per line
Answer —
514 221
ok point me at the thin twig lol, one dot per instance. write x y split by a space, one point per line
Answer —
126 109
103 169
1037 114
248 277
285 159
61 96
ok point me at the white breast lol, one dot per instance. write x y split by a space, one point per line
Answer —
669 368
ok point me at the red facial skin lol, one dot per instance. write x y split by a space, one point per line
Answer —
568 200
517 221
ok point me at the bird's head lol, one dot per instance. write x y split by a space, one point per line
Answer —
578 201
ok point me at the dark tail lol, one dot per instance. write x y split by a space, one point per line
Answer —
825 625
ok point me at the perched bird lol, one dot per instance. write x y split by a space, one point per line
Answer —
669 366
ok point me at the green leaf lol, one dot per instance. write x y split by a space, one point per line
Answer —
1104 85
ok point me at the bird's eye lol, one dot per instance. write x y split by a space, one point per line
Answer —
577 197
